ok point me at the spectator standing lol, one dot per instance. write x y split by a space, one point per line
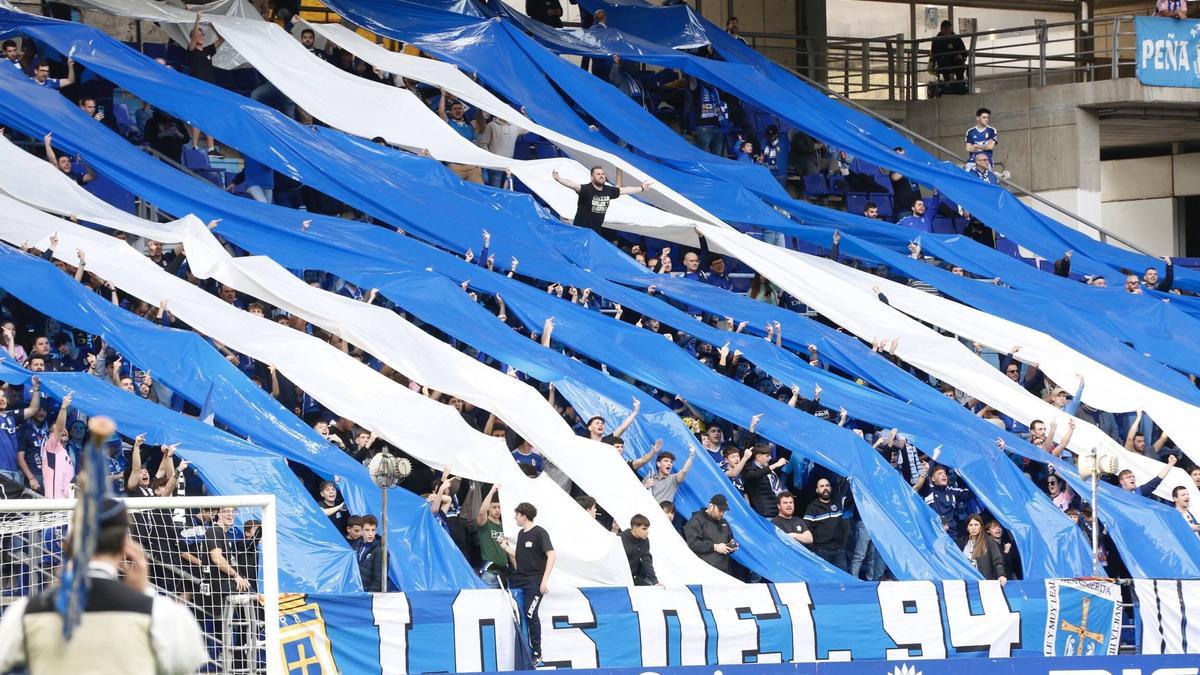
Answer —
775 149
12 56
787 520
58 468
949 56
1183 500
982 138
762 483
41 76
662 483
10 422
31 436
824 517
947 501
222 555
200 66
709 535
489 534
905 192
370 558
499 137
984 551
636 541
731 27
334 508
1153 283
594 197
533 560
707 116
459 123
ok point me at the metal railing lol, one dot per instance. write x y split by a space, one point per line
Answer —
896 68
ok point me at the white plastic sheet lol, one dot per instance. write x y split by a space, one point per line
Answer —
595 467
433 432
845 296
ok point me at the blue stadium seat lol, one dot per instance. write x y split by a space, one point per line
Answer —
884 202
944 226
815 186
196 160
856 202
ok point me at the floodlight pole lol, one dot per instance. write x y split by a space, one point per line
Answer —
383 538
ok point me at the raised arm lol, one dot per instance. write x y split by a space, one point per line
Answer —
624 426
135 462
35 400
481 517
687 466
547 331
60 420
70 78
1133 429
735 470
645 459
50 156
636 188
564 182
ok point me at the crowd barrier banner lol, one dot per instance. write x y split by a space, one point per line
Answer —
1168 52
1167 621
656 627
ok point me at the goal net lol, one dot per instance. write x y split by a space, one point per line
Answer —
217 555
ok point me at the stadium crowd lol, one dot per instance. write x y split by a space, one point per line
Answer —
811 504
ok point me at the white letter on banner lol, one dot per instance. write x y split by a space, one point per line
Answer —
652 606
1147 51
394 618
998 629
799 604
1158 54
473 610
737 637
570 646
912 617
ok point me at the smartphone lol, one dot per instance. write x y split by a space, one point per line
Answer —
101 109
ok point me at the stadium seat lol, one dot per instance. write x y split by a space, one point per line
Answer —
816 186
944 226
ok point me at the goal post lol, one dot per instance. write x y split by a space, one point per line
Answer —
241 626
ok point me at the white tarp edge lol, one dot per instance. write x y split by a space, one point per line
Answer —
843 294
595 467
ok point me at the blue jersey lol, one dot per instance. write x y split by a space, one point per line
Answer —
532 459
918 223
50 83
976 135
10 421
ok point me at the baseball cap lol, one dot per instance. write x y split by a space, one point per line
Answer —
720 502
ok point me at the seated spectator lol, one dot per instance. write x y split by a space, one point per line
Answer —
662 483
636 541
165 134
708 534
1175 9
370 559
918 219
983 551
824 517
787 520
871 210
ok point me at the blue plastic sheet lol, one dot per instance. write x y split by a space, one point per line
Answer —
192 368
289 232
752 78
311 558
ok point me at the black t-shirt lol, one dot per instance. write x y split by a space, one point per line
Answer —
793 525
200 63
906 193
339 518
216 538
532 547
593 204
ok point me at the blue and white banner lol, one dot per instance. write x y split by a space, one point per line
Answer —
1168 621
1168 52
648 627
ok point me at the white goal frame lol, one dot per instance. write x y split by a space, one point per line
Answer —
269 552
